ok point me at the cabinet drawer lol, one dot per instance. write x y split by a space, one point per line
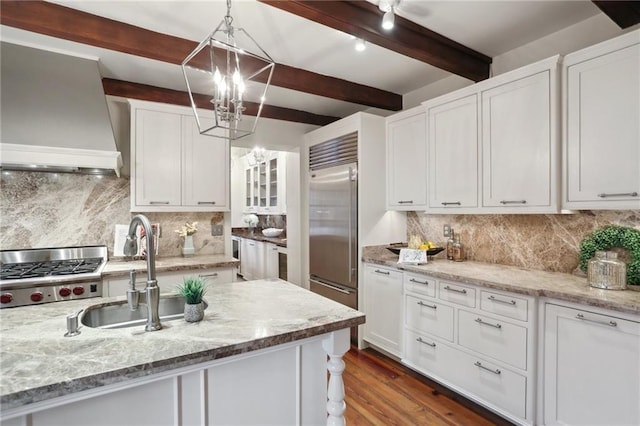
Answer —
431 356
457 293
494 384
430 317
503 304
498 339
419 284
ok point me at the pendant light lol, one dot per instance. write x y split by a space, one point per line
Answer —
388 19
235 72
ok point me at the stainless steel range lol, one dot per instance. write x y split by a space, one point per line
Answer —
30 277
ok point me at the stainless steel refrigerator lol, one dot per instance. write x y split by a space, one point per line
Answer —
333 233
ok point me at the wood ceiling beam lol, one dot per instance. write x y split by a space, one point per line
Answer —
74 25
145 92
623 13
363 19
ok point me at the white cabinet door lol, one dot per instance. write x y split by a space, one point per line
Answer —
273 181
271 265
453 154
407 162
519 145
252 263
602 142
205 168
591 368
156 162
384 308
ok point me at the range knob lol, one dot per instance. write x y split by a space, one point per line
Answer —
64 291
6 298
78 290
37 296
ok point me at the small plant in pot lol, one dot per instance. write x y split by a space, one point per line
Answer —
193 290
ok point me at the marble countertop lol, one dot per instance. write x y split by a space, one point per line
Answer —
37 363
257 235
121 267
568 287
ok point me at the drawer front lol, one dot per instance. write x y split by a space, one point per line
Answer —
419 284
456 293
431 356
497 385
430 317
504 304
498 339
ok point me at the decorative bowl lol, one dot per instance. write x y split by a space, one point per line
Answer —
272 232
431 252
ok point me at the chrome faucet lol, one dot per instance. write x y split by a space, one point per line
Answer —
151 294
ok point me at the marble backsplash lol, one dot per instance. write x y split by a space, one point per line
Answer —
541 242
58 210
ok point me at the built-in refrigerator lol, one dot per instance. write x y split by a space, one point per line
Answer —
333 220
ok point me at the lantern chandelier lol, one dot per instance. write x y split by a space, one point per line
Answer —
230 66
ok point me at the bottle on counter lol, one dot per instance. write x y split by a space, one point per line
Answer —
606 271
458 250
450 242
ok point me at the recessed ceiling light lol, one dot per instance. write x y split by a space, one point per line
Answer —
360 45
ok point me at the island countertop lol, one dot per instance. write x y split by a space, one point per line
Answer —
38 363
121 267
556 285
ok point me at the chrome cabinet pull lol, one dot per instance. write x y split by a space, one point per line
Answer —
480 321
211 275
158 202
451 203
609 323
622 194
506 302
413 280
463 291
405 202
432 344
378 271
206 203
503 202
479 364
421 303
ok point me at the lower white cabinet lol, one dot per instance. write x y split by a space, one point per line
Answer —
271 261
383 307
167 281
591 367
252 262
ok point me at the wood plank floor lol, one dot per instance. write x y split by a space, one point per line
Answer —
381 391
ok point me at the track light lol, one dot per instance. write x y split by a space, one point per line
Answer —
388 19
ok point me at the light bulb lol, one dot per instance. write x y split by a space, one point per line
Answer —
388 20
223 87
217 77
236 77
360 45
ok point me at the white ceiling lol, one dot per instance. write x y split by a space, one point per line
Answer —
490 27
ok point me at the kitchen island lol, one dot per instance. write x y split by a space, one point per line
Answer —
262 345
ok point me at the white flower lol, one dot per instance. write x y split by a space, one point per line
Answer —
187 229
250 219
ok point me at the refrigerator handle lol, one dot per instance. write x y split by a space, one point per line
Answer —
332 287
353 217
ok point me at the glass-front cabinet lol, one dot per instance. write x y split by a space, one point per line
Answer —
264 185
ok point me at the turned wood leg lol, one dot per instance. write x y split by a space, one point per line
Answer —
336 345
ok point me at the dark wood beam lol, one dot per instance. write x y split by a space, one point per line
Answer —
623 13
74 25
145 92
362 19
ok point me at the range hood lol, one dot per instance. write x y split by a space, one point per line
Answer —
54 114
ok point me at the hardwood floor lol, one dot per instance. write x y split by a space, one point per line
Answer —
381 391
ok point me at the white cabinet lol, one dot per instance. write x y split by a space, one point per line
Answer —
520 143
407 160
601 88
480 343
453 154
173 167
591 367
265 185
252 262
383 305
271 261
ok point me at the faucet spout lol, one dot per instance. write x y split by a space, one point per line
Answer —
151 291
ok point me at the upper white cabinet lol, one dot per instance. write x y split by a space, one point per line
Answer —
173 167
453 146
265 190
520 143
407 160
601 147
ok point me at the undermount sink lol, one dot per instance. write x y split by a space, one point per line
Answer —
118 314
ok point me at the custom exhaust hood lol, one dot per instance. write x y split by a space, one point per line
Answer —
54 114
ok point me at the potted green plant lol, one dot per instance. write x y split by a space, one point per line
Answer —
193 290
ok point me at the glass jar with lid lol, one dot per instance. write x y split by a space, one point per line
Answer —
606 271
